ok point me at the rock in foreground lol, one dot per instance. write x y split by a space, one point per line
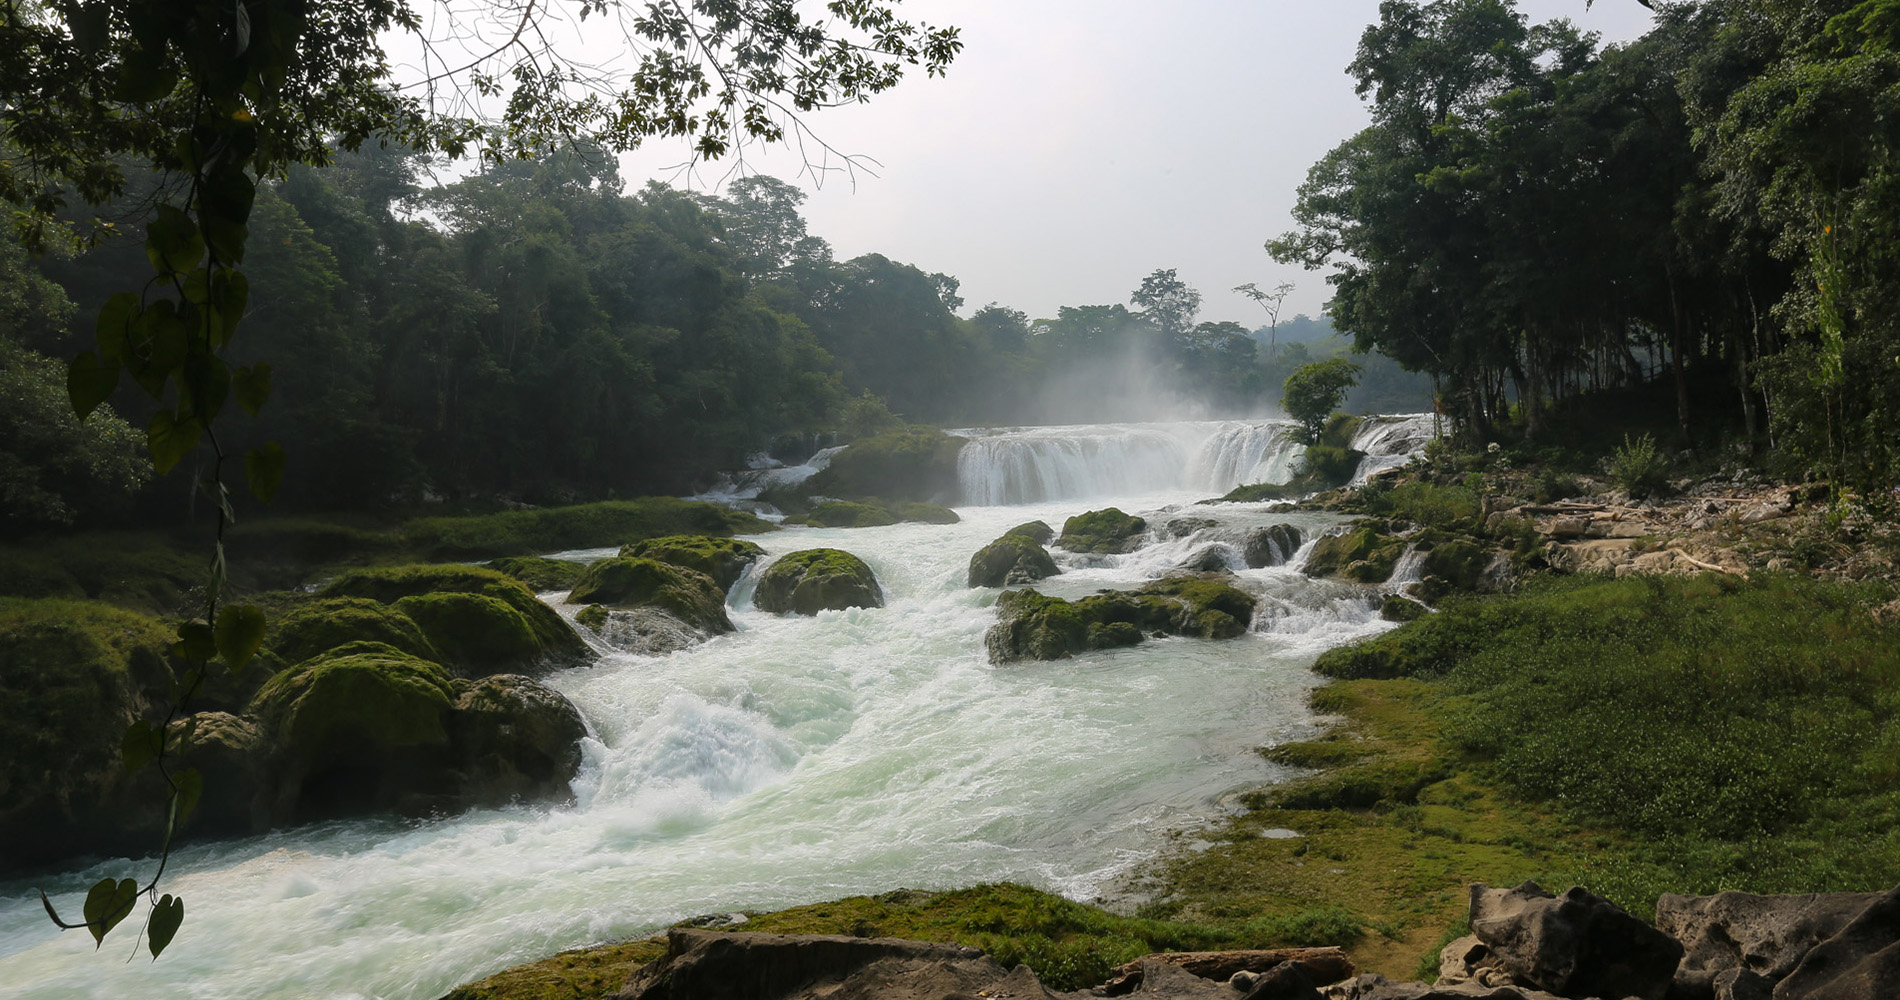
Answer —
817 580
722 559
1031 626
688 595
1010 560
1102 532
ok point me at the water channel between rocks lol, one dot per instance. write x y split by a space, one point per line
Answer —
796 760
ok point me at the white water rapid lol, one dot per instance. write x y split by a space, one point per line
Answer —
794 761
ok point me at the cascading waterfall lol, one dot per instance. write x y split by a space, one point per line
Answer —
797 759
1391 441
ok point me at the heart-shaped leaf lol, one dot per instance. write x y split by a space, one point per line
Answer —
170 439
196 641
264 469
115 324
240 631
172 241
140 745
166 917
89 383
251 384
108 903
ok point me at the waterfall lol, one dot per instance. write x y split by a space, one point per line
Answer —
1038 464
1390 441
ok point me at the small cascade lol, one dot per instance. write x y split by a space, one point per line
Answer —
1390 441
1408 570
1238 454
763 473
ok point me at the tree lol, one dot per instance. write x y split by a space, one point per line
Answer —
1167 302
1314 391
1270 301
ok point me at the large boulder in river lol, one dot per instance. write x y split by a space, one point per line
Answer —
688 595
817 580
539 572
529 637
1010 560
316 627
1032 626
1036 531
915 464
1362 554
1102 531
723 559
514 739
1272 546
1575 945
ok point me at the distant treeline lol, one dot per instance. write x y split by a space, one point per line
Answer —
535 332
1530 217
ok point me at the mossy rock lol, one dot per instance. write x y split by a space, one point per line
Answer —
593 616
1458 562
357 730
688 595
843 514
925 513
1402 609
1033 626
912 464
514 739
74 675
1102 531
477 634
1272 546
816 580
319 626
1362 554
723 559
556 643
1036 531
543 574
1010 560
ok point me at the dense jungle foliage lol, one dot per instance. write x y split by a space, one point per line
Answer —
1531 217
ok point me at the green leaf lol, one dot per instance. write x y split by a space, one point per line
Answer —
166 916
207 382
170 439
156 346
188 787
144 77
230 292
240 631
115 325
89 383
140 745
108 903
172 242
264 470
196 641
252 385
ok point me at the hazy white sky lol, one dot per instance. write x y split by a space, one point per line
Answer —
1077 145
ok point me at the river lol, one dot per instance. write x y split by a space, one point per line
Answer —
795 760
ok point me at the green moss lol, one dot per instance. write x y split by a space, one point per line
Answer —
478 634
1012 558
581 974
690 596
140 571
723 559
540 573
593 616
310 542
322 625
361 693
1402 609
913 464
1036 531
1314 753
1102 531
1362 554
554 638
924 513
814 580
841 514
595 525
1459 563
1031 625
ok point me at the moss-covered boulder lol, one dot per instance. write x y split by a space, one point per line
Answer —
723 559
1458 562
913 464
1272 546
917 512
232 755
1010 560
593 617
540 573
1036 531
1362 554
361 729
844 514
1402 609
555 643
478 634
1102 531
1032 626
688 595
817 580
73 676
514 739
318 626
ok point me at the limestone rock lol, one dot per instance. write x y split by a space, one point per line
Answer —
1362 554
686 594
1376 987
1011 559
722 559
1102 532
1575 945
319 626
1402 609
1768 935
816 580
514 739
451 625
1182 527
1861 960
1031 626
1272 546
1036 531
741 966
